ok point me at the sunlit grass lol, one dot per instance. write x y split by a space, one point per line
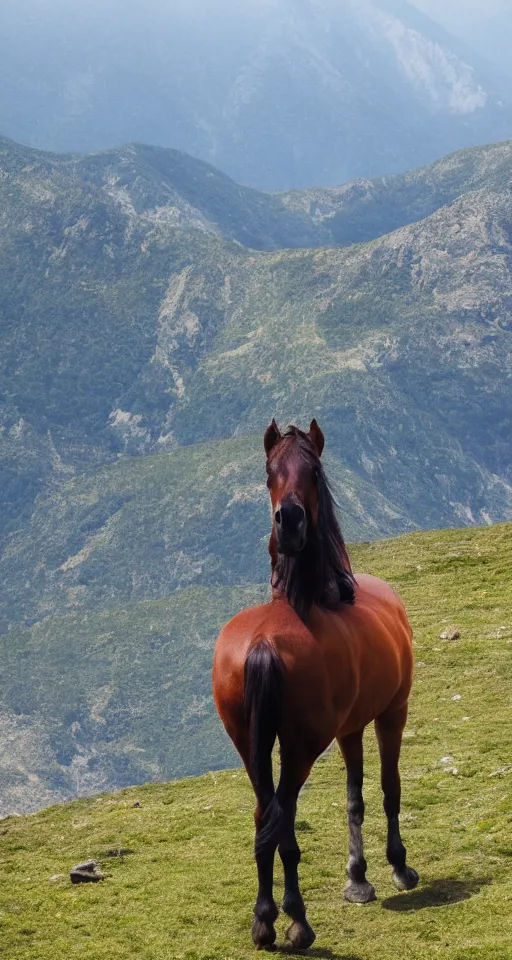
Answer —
187 888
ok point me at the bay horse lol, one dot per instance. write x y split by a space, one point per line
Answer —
330 652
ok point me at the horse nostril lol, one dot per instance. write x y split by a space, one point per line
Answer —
290 518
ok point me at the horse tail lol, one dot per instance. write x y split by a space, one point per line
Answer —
263 698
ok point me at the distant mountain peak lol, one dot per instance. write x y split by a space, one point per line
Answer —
282 94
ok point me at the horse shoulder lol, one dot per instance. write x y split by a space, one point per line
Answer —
379 596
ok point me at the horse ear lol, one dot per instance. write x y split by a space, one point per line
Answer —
316 436
272 435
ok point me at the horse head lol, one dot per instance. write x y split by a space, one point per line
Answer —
309 560
292 470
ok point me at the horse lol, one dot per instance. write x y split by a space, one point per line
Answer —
327 655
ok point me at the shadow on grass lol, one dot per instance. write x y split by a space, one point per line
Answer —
321 953
439 893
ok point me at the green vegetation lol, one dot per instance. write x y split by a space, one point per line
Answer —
187 886
131 323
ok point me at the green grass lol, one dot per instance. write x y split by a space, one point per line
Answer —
187 888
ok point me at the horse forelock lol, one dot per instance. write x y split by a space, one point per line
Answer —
302 449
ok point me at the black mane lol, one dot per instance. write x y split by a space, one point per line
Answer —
318 575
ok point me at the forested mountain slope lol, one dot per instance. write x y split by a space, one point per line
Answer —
144 348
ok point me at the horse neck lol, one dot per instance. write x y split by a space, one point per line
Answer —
272 549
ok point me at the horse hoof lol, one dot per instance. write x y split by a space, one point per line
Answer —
263 934
300 935
406 879
360 892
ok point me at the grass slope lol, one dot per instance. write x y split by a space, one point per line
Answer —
187 887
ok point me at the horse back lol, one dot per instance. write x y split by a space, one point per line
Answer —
367 649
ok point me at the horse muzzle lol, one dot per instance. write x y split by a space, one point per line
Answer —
291 528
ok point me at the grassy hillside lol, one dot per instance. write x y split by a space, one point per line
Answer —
134 700
186 888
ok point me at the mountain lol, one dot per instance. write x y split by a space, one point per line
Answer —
75 270
460 14
363 210
144 348
132 326
144 526
278 93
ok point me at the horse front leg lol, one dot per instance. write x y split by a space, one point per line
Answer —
357 889
389 729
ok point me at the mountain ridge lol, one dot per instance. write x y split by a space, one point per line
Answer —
142 357
147 308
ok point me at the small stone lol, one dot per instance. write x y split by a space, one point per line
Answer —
457 697
87 872
137 804
502 772
447 764
56 876
451 633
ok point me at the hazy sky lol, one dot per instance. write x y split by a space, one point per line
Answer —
451 12
440 9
